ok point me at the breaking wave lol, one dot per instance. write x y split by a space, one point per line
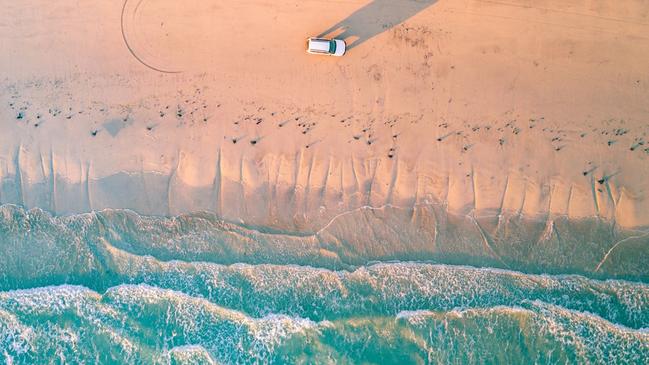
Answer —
144 324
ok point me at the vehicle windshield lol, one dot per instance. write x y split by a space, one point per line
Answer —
332 47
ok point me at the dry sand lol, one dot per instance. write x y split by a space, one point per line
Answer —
532 107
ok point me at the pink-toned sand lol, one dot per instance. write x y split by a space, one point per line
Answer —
537 107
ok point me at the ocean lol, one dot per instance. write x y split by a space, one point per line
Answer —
76 290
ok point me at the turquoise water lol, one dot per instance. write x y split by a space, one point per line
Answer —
72 293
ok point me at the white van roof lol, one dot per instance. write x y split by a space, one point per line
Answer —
316 44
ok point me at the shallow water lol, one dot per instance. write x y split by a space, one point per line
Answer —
117 288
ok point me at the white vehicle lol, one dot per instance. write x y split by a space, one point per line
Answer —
328 47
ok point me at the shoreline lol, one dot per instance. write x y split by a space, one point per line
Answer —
105 240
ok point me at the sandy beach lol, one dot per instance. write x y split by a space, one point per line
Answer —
483 106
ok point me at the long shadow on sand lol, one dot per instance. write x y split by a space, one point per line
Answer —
375 18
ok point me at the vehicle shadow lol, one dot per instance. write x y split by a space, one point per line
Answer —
373 19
